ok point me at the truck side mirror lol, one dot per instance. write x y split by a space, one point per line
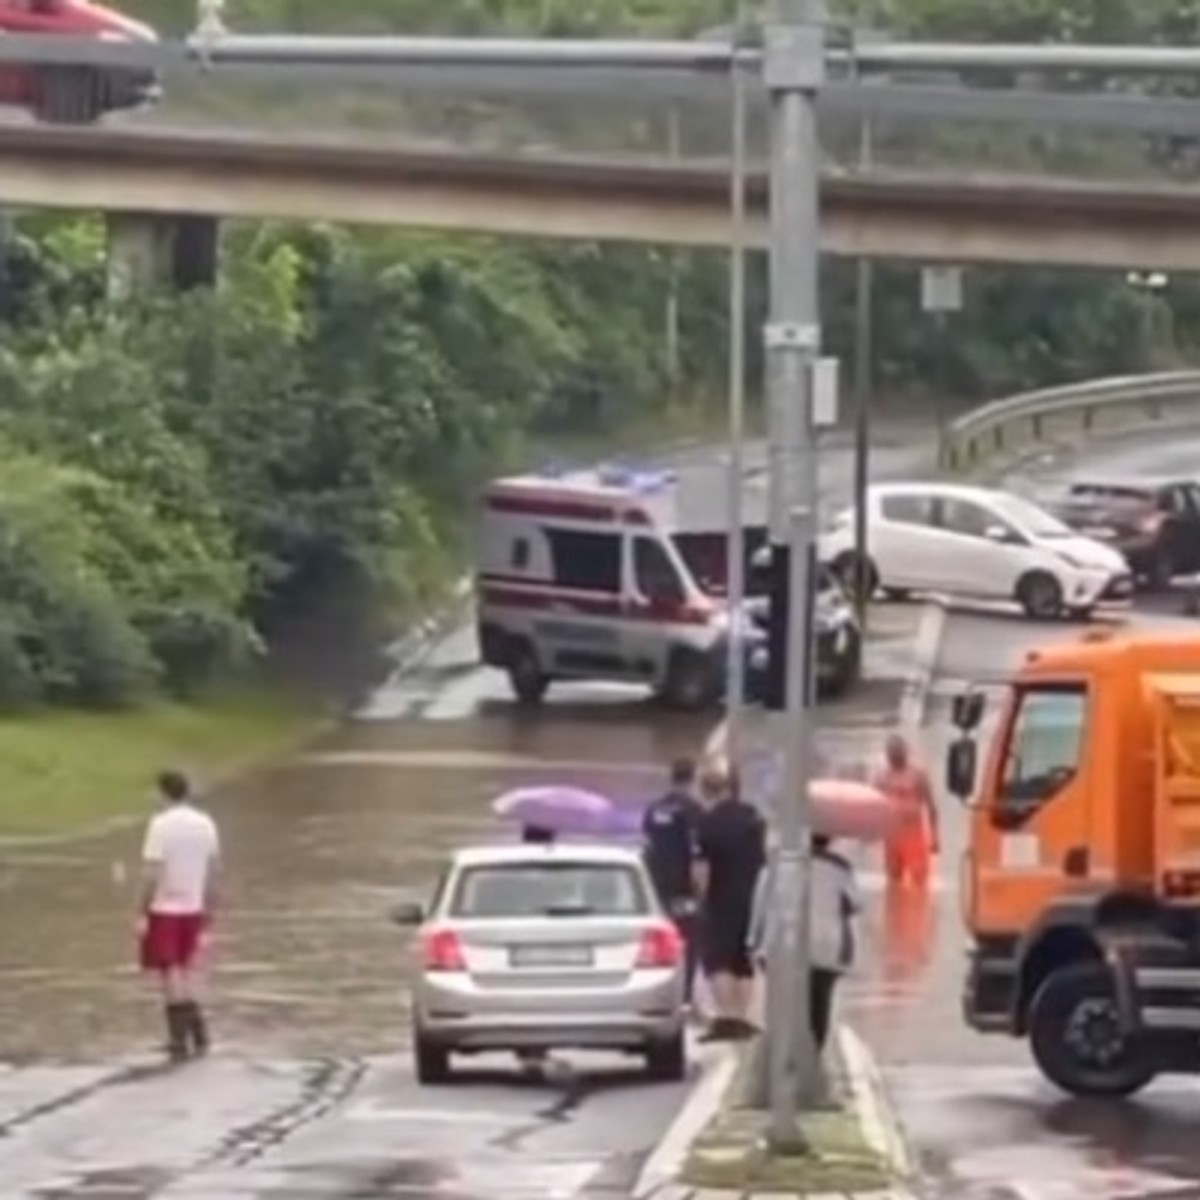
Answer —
967 711
961 765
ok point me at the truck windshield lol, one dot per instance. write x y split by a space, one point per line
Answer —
1045 747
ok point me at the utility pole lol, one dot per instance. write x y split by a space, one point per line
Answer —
942 295
735 572
864 353
671 316
794 68
864 359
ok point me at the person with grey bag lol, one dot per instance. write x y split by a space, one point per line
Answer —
834 905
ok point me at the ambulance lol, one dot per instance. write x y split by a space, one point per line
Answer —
608 574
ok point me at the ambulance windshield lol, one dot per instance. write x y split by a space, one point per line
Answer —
706 553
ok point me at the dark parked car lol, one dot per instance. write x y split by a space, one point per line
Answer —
839 639
1154 523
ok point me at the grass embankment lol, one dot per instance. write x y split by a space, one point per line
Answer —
65 772
732 1155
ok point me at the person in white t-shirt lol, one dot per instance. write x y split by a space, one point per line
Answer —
834 900
180 858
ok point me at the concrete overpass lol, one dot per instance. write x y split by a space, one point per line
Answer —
144 173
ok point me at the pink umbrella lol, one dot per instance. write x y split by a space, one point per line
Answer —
556 809
845 808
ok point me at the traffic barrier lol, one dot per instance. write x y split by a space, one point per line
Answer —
1097 407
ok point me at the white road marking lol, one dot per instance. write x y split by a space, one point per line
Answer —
375 1110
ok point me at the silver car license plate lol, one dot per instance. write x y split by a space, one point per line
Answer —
550 956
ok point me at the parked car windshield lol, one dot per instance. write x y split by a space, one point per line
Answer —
1035 521
507 890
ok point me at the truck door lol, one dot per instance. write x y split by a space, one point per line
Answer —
1037 814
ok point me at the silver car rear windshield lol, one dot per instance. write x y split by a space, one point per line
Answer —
505 890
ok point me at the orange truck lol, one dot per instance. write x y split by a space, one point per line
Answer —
1081 881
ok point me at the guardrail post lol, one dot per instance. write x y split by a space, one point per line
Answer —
1037 427
1089 419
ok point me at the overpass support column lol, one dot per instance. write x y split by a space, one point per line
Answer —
156 250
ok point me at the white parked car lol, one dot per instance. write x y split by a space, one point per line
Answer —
981 543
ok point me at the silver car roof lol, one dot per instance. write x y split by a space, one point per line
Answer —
533 854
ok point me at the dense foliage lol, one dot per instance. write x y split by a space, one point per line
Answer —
184 478
183 475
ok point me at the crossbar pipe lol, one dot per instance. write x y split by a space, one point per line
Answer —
708 56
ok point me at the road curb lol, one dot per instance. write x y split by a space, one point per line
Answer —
871 1102
662 1167
881 1125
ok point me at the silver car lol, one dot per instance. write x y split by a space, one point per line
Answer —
535 947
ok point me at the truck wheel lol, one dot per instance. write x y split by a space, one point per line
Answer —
1040 595
1075 1035
525 675
690 684
666 1062
432 1060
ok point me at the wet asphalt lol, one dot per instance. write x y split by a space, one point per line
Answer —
312 1094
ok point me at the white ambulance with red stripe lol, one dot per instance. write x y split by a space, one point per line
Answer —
594 575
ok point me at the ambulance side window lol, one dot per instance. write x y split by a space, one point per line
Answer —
588 562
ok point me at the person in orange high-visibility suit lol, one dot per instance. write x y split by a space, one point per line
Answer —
909 850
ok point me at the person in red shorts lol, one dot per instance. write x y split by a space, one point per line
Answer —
909 851
180 858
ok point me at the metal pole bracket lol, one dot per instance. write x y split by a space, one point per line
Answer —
794 58
790 335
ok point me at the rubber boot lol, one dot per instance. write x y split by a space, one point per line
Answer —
197 1028
177 1032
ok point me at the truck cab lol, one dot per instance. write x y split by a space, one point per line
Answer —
1081 881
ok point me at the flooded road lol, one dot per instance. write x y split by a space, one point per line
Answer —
316 851
311 1095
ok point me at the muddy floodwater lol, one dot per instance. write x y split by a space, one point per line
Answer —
316 850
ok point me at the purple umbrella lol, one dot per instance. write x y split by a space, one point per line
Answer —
556 809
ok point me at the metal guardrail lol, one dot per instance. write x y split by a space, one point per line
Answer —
1077 410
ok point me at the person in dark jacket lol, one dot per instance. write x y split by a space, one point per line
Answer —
731 853
670 828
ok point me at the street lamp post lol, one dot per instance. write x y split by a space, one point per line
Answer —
864 356
1149 285
864 311
794 69
941 295
736 549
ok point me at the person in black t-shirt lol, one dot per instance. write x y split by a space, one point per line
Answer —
670 828
732 852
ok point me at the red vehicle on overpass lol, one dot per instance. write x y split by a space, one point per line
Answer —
67 94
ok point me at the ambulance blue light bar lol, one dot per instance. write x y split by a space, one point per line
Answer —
642 482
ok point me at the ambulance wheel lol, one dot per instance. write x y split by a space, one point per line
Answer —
1076 1038
525 675
690 684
